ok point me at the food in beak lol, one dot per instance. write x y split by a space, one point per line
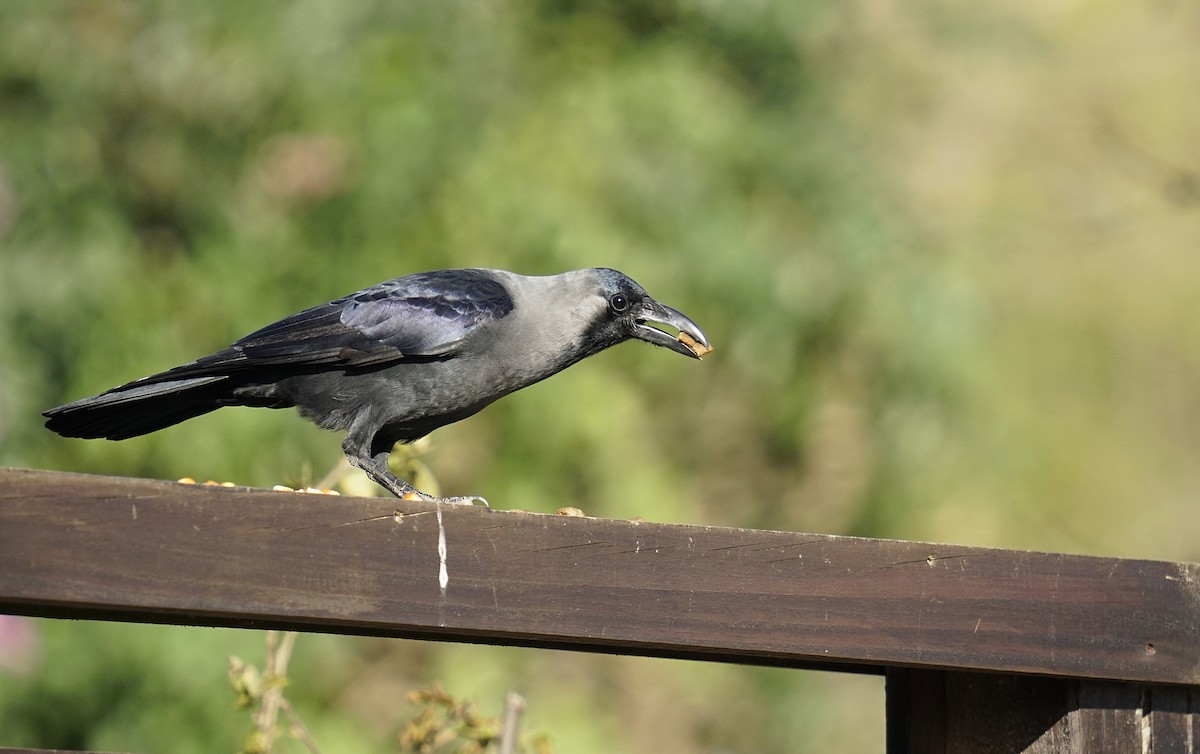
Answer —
693 345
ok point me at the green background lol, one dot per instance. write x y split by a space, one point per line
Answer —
948 253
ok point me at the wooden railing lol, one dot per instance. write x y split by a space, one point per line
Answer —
982 649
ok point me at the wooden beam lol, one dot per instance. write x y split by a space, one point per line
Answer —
127 549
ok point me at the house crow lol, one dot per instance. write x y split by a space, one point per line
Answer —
396 361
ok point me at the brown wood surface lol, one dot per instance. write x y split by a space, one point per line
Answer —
112 548
950 712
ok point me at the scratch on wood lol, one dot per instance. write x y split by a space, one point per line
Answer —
932 559
789 559
568 547
108 498
498 526
742 546
787 547
638 549
798 544
398 517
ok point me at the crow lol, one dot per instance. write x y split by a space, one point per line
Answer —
393 362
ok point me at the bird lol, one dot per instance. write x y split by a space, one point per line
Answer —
393 362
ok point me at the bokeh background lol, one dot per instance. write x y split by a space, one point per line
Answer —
948 253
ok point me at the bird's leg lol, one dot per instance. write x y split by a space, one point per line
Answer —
375 464
376 468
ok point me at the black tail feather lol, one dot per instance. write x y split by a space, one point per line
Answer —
139 408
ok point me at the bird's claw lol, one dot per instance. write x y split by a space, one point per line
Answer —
464 500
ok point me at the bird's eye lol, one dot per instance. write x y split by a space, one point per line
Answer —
618 303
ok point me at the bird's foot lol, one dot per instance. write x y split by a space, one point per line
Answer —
377 469
464 500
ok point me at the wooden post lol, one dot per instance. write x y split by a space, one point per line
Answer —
948 711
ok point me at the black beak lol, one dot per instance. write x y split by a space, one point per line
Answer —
689 342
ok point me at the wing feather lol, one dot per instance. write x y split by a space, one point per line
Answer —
425 315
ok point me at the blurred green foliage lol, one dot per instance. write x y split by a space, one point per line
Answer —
947 252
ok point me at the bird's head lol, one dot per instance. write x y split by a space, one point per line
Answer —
627 311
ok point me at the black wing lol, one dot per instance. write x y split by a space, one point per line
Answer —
422 315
